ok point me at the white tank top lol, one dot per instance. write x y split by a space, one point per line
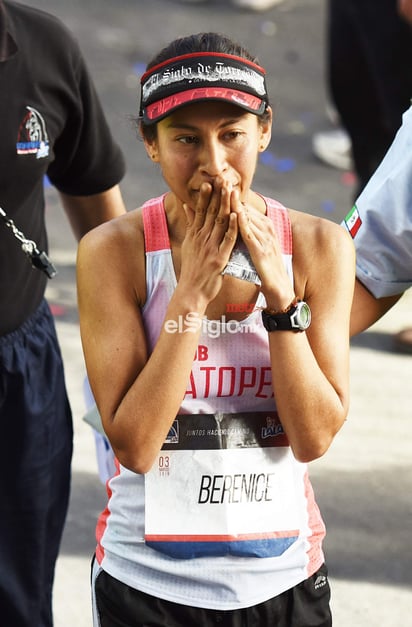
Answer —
226 517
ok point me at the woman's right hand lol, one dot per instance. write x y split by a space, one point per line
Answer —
211 234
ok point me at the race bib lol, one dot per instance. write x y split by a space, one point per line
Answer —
222 484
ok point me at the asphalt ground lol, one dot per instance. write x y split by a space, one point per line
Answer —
364 482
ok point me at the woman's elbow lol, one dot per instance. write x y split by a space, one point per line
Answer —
315 447
308 453
135 459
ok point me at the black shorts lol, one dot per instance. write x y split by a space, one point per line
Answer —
119 605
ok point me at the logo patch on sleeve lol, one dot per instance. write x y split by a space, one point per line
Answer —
353 221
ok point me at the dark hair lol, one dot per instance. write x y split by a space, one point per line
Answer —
201 42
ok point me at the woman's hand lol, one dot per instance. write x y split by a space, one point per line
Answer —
211 234
258 234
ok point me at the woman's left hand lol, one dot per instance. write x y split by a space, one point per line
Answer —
259 235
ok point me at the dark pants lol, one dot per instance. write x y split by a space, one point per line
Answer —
35 457
370 75
305 605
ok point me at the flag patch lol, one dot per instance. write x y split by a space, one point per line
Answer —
353 221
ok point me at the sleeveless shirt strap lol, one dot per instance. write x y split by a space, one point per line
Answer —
280 217
156 235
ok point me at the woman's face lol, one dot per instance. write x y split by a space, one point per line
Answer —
203 141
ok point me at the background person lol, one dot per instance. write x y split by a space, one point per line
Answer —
52 124
369 52
381 226
151 286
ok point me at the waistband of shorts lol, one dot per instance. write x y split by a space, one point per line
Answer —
42 312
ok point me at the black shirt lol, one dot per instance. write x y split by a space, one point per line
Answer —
51 123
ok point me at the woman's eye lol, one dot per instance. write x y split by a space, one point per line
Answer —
234 134
188 139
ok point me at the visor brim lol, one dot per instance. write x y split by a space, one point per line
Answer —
156 111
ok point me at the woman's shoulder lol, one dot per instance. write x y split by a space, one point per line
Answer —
309 229
114 252
323 253
320 244
119 231
114 248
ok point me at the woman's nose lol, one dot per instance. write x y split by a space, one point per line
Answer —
213 159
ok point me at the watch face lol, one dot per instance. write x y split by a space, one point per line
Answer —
296 319
303 315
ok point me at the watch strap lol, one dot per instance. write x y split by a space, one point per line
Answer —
279 321
287 320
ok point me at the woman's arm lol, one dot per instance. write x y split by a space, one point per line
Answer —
139 396
310 370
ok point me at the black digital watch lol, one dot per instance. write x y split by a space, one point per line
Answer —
296 318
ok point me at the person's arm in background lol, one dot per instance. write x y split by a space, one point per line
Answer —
405 9
88 163
380 224
86 212
366 309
